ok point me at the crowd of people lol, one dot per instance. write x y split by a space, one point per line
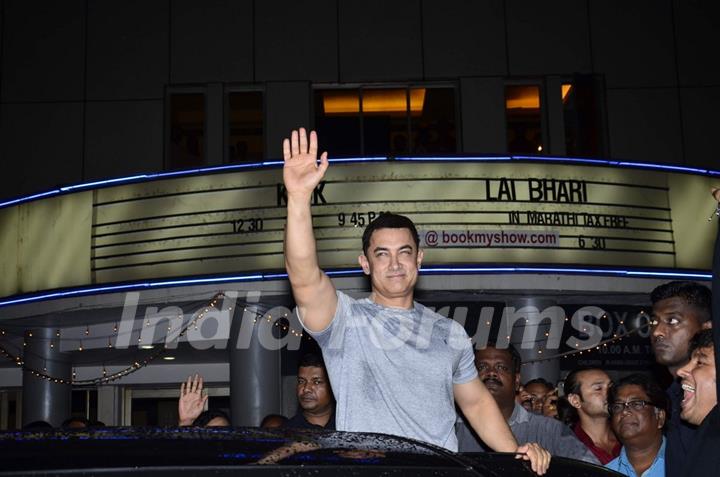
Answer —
632 425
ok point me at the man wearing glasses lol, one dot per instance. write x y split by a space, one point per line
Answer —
637 407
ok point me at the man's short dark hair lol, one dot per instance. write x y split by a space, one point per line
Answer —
572 383
653 390
38 426
67 423
702 339
515 357
388 220
311 360
692 293
204 418
277 418
550 386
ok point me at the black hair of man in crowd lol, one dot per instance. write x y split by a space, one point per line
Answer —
655 393
703 339
699 296
206 419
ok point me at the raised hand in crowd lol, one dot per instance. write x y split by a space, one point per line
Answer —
524 398
192 401
549 408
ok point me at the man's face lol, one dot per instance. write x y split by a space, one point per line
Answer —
592 400
675 323
637 426
392 262
537 391
313 391
699 383
495 369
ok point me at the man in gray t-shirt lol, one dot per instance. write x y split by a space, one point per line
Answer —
395 368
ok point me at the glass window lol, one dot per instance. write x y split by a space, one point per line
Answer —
245 127
159 407
386 121
154 412
10 418
432 113
84 404
523 117
187 130
582 118
337 121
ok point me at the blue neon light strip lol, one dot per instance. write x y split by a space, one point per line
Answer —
571 160
667 274
256 165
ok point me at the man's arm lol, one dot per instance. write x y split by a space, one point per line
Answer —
483 414
313 291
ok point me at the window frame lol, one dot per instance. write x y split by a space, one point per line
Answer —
229 89
408 86
170 91
542 85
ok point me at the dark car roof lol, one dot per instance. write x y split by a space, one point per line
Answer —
226 451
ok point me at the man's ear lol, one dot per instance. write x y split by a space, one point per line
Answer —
660 417
363 261
517 383
707 325
420 256
574 400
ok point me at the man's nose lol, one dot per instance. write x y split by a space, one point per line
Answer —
658 330
395 261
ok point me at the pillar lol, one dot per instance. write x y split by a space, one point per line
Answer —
255 373
535 325
42 399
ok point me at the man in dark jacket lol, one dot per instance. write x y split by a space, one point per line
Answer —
680 310
315 397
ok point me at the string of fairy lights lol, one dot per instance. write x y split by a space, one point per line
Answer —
137 364
602 344
284 326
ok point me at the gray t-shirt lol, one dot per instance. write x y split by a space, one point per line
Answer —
550 433
392 370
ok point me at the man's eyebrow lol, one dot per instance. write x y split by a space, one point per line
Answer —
385 249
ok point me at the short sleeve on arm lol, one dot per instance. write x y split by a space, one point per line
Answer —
464 367
337 325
